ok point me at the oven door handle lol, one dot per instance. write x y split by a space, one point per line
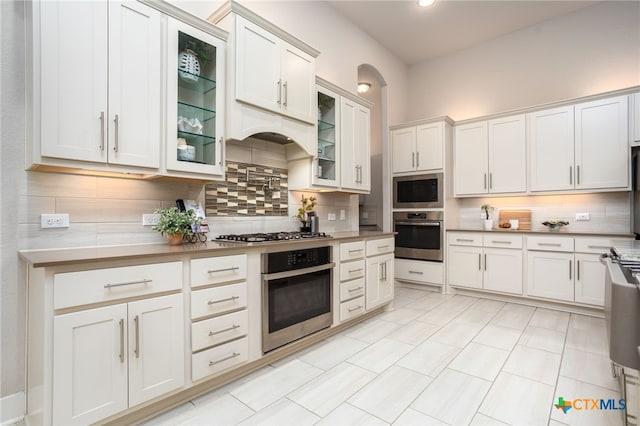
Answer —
438 223
297 272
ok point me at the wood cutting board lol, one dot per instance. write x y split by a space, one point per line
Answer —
523 216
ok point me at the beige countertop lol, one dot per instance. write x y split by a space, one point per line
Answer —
67 256
546 232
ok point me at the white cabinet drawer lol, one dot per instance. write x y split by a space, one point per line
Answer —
380 246
352 250
549 243
352 289
465 238
220 358
217 330
218 300
217 270
592 245
423 272
502 240
351 270
351 309
100 285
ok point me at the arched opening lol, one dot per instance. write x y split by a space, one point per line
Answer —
372 212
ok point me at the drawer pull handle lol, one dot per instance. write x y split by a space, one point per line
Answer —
464 240
228 299
598 247
121 340
383 247
501 242
213 271
351 271
145 281
233 355
355 251
136 321
416 272
550 244
355 289
355 308
233 327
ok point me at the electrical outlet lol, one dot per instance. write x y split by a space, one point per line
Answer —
343 215
54 220
582 216
150 219
332 216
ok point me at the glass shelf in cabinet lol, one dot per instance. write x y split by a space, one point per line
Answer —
323 143
192 111
196 139
195 82
326 159
325 125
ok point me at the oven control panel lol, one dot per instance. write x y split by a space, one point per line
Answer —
296 259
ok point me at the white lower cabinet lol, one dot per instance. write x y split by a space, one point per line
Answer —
550 275
219 315
488 267
419 272
562 272
380 282
108 359
352 279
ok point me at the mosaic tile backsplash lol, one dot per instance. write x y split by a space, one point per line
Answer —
249 190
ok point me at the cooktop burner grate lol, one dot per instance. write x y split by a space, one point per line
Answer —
271 236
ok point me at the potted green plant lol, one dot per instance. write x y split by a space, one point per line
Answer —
175 223
305 212
486 214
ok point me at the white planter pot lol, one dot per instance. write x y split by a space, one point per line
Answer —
488 224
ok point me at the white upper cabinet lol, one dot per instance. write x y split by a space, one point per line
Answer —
634 104
507 155
602 144
273 74
355 140
418 148
490 157
471 159
551 149
195 104
97 82
585 146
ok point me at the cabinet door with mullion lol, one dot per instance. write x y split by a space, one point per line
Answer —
195 102
327 162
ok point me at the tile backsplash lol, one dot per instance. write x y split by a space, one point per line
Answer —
609 211
248 190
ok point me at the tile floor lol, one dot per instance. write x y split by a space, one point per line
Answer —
435 359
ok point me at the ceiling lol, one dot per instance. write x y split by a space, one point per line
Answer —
417 34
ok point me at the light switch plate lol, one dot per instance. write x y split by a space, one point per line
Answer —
150 219
343 214
332 216
583 216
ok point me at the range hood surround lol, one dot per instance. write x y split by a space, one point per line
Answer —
246 122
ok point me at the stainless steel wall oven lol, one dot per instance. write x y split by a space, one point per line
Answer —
420 235
296 295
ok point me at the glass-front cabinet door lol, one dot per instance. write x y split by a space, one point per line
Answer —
326 164
195 102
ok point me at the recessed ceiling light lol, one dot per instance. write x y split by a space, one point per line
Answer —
425 3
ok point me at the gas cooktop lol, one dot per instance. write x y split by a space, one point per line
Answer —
270 237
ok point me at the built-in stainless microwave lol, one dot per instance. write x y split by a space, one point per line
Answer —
418 191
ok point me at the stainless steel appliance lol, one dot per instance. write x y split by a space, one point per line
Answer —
270 237
296 295
418 191
419 235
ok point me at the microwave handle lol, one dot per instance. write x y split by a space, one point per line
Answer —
438 223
